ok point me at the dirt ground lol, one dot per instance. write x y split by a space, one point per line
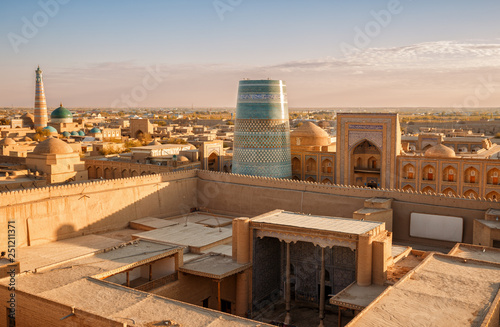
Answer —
303 316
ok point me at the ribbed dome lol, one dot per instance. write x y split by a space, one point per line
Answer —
66 133
309 135
53 146
74 133
183 159
95 130
440 150
81 133
7 141
61 113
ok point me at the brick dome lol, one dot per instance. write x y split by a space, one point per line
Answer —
309 134
440 151
7 141
53 146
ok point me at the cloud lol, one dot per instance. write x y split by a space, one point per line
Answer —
442 54
315 64
430 74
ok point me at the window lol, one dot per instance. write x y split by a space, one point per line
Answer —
451 175
410 173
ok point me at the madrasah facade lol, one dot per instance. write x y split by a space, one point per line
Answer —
370 152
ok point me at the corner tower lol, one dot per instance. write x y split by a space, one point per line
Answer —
40 103
262 130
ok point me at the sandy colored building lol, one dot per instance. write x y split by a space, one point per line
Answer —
369 153
61 119
56 160
323 239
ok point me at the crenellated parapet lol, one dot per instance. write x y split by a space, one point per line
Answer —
347 190
94 186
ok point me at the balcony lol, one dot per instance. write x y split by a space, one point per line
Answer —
367 170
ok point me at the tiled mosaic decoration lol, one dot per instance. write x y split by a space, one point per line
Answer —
262 131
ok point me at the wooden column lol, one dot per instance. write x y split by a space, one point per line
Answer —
150 272
288 319
128 279
322 290
218 295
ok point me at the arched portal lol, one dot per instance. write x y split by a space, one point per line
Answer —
471 194
409 188
98 172
493 195
213 162
428 190
366 165
296 164
108 173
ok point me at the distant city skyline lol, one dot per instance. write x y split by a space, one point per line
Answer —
193 53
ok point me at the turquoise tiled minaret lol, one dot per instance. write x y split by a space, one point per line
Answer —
262 130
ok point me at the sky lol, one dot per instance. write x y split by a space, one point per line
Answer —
183 53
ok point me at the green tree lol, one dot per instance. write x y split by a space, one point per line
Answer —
41 134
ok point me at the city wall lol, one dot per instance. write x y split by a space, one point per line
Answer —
53 213
58 212
249 196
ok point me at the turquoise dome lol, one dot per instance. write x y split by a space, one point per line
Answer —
61 113
81 133
66 133
95 130
50 129
74 133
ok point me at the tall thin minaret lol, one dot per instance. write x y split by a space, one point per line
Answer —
40 103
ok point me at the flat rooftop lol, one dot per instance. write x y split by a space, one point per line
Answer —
442 291
161 146
188 234
150 223
67 271
320 223
357 297
371 210
203 218
468 251
213 265
71 283
493 224
37 256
